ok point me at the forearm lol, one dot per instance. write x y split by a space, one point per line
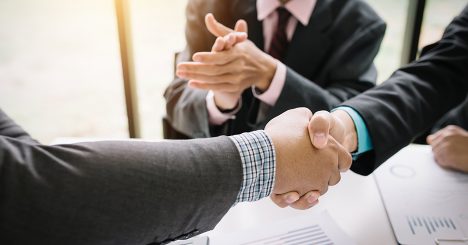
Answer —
129 192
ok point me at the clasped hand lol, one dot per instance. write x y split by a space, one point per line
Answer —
233 65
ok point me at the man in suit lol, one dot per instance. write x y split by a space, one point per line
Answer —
381 121
307 53
152 193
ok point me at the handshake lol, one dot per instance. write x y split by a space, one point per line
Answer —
311 150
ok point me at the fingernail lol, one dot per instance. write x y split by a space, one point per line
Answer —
320 139
313 197
196 58
290 199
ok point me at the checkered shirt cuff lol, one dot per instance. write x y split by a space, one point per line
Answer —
258 163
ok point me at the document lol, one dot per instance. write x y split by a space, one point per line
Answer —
318 229
425 203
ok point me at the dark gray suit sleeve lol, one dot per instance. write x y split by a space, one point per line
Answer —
114 192
415 96
10 129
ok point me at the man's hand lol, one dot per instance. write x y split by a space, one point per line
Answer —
322 125
450 148
229 100
232 70
300 166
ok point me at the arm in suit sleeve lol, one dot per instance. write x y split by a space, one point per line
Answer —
415 96
115 192
186 107
9 128
347 72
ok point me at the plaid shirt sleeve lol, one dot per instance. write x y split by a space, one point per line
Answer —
258 163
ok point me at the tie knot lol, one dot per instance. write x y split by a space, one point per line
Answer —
283 14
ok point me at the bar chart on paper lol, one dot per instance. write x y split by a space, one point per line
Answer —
425 203
317 229
307 235
429 225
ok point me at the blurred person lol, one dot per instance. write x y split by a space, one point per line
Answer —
135 192
307 53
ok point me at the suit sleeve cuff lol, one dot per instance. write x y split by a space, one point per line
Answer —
363 136
271 95
258 165
215 116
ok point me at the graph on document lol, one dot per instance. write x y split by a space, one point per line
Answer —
307 235
430 225
305 229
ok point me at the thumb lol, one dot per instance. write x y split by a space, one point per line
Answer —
319 128
216 28
241 26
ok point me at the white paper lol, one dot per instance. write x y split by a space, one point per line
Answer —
309 229
423 201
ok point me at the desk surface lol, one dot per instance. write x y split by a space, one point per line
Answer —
354 204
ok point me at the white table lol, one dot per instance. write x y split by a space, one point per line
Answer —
354 204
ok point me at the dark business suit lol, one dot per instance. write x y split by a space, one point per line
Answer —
415 96
457 116
328 61
112 192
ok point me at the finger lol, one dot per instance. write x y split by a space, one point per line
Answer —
344 158
187 69
215 58
284 200
436 137
219 45
230 40
241 26
216 28
430 139
440 155
234 38
210 79
307 201
319 128
222 87
335 178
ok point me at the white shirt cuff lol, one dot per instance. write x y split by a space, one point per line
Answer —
271 95
215 116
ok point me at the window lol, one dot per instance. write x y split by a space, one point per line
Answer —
60 70
437 16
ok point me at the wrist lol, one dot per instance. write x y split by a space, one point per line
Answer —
350 135
226 101
268 72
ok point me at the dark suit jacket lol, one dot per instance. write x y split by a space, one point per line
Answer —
112 192
415 96
328 61
458 116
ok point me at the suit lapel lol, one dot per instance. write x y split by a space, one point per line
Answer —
310 43
247 10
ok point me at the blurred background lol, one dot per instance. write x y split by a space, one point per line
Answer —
60 68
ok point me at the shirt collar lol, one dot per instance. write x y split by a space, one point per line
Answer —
300 9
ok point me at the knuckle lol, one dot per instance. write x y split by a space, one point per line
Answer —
451 128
